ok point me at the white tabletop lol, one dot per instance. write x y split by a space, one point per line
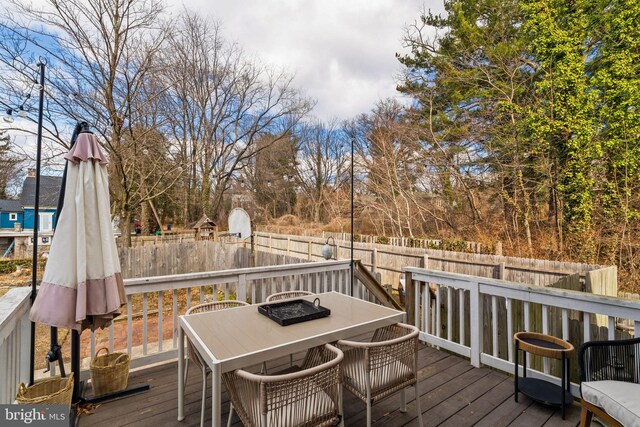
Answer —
239 337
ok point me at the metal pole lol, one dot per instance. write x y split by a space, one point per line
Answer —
36 212
352 198
75 365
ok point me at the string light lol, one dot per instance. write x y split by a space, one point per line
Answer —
9 117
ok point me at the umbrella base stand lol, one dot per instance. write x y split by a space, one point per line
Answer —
129 391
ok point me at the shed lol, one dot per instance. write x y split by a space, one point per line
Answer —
205 228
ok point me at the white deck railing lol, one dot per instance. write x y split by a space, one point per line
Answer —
247 284
146 342
468 297
15 331
464 311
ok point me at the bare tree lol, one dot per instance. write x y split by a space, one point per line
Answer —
9 164
395 189
321 163
225 103
100 53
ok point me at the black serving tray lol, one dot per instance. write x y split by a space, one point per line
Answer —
294 311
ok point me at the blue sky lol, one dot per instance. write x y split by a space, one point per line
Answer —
342 52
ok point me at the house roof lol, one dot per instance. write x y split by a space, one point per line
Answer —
49 190
10 206
204 222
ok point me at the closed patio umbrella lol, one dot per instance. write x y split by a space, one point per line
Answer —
82 286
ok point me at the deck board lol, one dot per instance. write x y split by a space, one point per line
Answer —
452 393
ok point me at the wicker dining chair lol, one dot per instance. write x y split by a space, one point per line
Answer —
279 296
287 295
375 370
192 353
309 397
610 381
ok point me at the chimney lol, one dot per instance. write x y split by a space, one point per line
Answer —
31 173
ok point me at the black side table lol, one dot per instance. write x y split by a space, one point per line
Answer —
540 390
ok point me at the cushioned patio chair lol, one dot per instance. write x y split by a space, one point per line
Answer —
609 382
279 297
375 370
192 353
287 295
309 397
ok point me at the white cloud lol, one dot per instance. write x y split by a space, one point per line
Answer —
342 52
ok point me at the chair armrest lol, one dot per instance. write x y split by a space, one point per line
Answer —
263 379
617 360
394 334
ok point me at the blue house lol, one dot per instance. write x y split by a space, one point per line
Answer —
17 216
49 191
11 214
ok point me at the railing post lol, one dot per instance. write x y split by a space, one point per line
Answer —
476 324
500 271
410 302
309 250
498 250
241 292
25 347
374 260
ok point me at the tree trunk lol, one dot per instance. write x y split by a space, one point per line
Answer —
126 228
145 217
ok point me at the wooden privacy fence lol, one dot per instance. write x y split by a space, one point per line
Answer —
411 242
389 262
166 237
179 258
189 256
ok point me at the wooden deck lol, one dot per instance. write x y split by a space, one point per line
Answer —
452 393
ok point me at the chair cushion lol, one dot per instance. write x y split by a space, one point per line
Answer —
619 399
381 378
298 412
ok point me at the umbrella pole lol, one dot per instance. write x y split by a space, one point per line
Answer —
36 209
75 365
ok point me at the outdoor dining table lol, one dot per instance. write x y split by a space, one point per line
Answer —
239 337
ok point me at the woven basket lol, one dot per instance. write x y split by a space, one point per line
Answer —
49 391
109 372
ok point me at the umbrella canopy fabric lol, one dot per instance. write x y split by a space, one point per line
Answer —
82 285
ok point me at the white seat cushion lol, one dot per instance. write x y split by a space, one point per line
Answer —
383 377
300 412
312 402
619 399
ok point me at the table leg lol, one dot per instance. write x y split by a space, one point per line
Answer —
216 399
562 387
515 376
180 374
